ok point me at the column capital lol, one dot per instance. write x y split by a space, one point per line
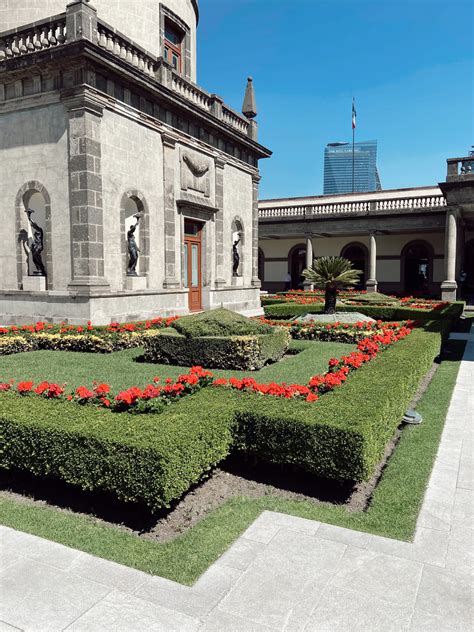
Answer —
220 162
83 99
168 140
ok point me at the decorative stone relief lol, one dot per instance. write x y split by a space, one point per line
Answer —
195 173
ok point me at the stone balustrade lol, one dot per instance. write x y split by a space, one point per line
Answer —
460 168
121 46
409 203
190 91
34 37
234 120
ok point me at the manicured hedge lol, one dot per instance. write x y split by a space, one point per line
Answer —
148 458
156 458
228 352
342 436
290 310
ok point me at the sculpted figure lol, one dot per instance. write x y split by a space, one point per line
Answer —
37 245
133 249
235 257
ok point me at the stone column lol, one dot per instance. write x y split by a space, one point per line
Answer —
85 194
309 260
169 159
449 285
219 219
371 284
255 280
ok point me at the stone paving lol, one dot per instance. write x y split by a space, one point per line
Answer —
284 573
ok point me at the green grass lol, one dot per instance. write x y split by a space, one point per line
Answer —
121 370
392 513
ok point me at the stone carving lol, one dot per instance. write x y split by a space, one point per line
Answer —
235 257
195 173
133 249
37 245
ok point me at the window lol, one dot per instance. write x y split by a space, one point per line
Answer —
172 46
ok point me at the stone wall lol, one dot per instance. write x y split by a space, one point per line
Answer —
33 143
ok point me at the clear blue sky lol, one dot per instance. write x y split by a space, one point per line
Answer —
409 64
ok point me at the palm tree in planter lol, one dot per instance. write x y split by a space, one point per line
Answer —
331 274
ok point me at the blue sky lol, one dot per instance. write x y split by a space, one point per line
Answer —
409 64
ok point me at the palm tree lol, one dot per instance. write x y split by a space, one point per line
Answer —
331 274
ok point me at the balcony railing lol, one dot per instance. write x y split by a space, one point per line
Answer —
460 168
38 36
360 207
124 48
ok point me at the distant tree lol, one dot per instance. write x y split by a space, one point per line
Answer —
331 274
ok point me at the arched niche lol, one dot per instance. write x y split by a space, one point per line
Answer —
133 203
238 243
358 254
416 262
33 196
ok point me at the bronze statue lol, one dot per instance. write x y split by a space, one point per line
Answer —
235 257
37 245
133 249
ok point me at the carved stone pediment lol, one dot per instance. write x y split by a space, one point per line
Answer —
195 173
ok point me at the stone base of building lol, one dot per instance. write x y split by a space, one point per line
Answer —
18 307
449 290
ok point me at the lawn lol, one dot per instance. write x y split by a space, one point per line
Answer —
122 370
392 513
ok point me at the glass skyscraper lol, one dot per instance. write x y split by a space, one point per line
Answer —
338 167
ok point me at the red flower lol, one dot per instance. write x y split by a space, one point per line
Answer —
24 387
41 388
220 381
102 389
4 386
84 393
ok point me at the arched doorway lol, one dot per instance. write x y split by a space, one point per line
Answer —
358 255
467 289
417 267
261 265
296 265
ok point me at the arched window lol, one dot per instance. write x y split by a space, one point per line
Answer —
296 265
238 242
33 227
132 208
357 254
417 267
467 286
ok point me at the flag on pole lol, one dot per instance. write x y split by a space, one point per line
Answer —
354 114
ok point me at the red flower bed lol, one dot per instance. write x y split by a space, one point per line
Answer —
153 395
64 328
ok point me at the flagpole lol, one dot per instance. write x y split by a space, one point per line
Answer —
353 139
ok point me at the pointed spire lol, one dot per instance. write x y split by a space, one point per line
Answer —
249 108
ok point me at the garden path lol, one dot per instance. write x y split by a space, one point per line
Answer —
283 573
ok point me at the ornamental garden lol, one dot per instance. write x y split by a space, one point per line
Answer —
146 413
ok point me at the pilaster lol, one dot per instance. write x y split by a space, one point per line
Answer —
81 21
85 195
255 182
219 220
169 164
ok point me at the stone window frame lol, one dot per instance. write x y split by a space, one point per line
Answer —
33 186
186 52
237 219
144 241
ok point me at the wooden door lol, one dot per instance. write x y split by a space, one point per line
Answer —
193 264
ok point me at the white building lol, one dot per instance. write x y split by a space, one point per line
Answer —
406 241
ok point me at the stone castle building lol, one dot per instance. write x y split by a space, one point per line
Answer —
127 190
407 241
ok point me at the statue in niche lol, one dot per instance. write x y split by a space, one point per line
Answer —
236 256
133 249
37 245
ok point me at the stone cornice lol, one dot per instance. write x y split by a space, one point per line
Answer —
81 51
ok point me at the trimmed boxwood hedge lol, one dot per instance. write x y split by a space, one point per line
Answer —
290 310
156 458
147 458
250 352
